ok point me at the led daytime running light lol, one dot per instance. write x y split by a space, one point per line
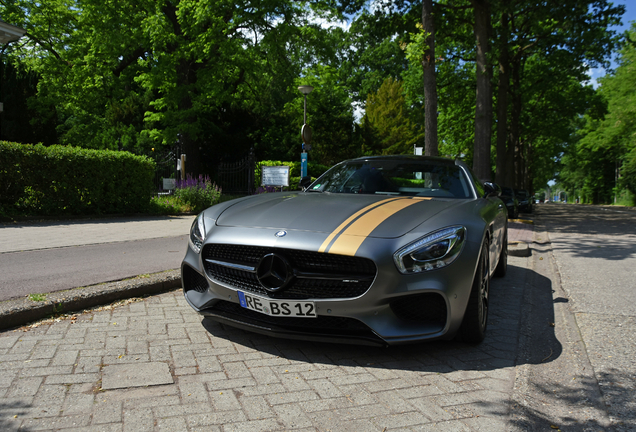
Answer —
406 258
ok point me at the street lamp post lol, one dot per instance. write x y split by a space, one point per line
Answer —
305 132
305 90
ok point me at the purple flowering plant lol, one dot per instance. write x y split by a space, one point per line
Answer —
197 192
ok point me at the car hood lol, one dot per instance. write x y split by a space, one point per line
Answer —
379 216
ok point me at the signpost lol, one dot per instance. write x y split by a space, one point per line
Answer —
305 132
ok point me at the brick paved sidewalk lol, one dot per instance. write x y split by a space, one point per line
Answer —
179 373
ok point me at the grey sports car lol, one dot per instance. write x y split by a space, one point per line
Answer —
378 250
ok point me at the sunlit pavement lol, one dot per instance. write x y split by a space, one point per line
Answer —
153 364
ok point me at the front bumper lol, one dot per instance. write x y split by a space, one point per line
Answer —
396 308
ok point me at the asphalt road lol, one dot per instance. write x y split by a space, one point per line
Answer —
48 256
595 254
50 270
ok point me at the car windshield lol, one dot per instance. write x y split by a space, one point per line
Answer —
395 177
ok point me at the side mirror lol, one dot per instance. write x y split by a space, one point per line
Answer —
491 189
305 182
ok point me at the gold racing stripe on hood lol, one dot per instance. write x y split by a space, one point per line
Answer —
350 219
350 240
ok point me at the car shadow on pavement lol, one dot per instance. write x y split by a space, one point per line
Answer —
499 349
9 411
464 381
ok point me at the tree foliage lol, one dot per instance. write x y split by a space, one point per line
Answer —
137 74
606 146
217 77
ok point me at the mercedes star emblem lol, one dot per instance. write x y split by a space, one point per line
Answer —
274 272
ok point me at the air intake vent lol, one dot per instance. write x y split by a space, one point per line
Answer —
427 308
192 280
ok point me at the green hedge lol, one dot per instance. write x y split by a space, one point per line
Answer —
314 170
69 180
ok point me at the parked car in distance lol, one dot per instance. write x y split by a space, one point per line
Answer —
524 199
511 202
383 250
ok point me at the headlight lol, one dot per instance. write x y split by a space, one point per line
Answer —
434 251
197 234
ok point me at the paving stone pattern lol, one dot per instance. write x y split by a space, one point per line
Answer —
224 379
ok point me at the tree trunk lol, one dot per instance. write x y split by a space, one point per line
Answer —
515 124
502 101
430 84
483 109
186 79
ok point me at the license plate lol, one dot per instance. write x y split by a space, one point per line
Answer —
285 308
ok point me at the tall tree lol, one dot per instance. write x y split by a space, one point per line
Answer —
430 83
503 86
483 106
606 145
137 74
554 45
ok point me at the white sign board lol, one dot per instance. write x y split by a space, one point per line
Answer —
275 176
169 184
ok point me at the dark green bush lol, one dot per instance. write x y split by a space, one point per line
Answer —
70 180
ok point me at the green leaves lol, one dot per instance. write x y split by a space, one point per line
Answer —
222 75
607 146
70 180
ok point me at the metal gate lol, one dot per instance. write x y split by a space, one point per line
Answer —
166 168
237 177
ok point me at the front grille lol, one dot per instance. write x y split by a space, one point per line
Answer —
325 275
319 325
192 280
427 308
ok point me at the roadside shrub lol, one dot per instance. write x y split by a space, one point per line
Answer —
54 180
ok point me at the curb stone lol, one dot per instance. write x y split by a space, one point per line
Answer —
15 313
519 249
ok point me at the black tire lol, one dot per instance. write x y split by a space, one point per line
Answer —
502 265
473 328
